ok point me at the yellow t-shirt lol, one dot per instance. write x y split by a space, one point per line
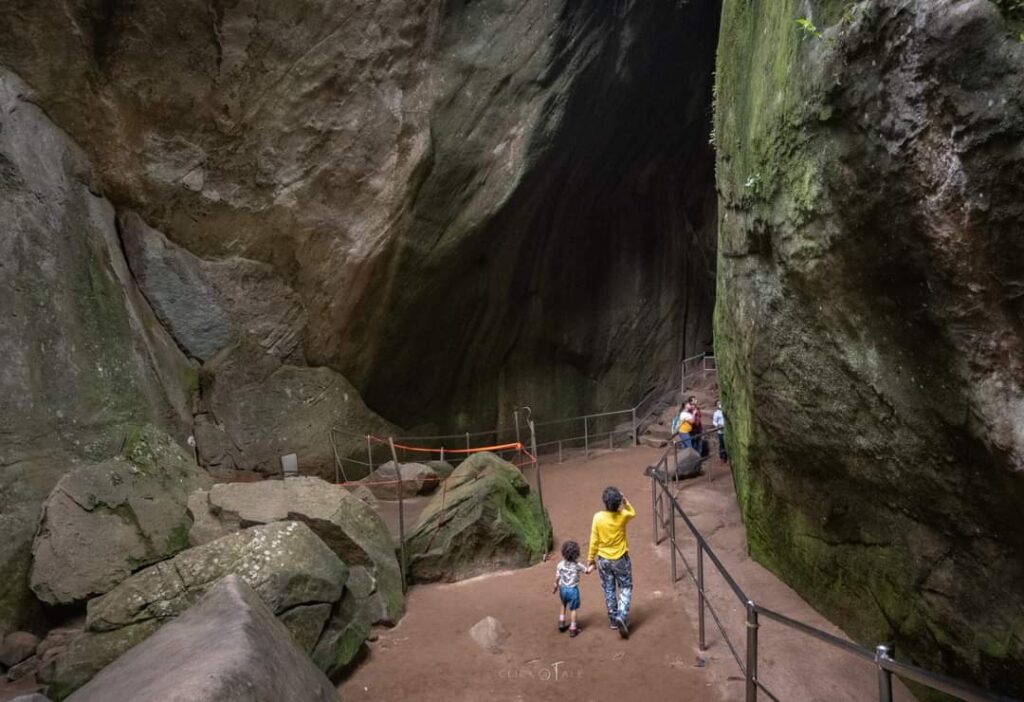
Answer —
608 533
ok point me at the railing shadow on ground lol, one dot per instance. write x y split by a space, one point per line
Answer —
664 500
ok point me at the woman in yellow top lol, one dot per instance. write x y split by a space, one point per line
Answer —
609 547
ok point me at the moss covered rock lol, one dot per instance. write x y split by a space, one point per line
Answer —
105 520
285 563
868 324
350 527
484 517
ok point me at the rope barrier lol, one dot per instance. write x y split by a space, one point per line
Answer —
479 449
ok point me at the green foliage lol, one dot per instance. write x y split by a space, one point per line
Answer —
808 28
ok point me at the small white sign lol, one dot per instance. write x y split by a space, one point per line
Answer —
290 464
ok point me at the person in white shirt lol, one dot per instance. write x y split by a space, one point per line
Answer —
718 420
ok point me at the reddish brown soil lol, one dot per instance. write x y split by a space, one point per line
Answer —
430 656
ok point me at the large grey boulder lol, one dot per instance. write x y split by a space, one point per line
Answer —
350 527
228 647
256 409
106 520
84 359
484 518
206 304
416 479
284 562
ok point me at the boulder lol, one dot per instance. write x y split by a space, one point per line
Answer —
27 667
342 639
349 527
653 442
688 463
284 562
105 520
16 647
205 525
55 643
228 647
256 409
34 697
484 518
365 494
441 468
417 479
489 634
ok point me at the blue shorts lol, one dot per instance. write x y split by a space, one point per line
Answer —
570 597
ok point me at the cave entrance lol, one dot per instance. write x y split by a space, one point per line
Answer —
596 276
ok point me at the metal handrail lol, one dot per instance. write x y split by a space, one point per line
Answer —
880 656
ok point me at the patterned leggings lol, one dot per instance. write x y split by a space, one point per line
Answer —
617 573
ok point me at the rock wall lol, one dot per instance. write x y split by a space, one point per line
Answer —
478 204
870 318
84 359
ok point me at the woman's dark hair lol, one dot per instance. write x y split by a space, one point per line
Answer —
570 551
612 499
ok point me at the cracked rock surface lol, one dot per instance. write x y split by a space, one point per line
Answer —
870 323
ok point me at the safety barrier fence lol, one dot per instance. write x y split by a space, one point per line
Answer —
699 366
662 500
590 432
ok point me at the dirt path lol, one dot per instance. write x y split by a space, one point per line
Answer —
429 655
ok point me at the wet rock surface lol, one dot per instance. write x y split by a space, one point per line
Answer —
868 329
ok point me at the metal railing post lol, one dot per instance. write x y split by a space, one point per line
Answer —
752 627
586 439
654 502
369 453
675 461
536 463
635 429
518 438
700 595
675 573
401 511
467 442
442 454
884 676
559 450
